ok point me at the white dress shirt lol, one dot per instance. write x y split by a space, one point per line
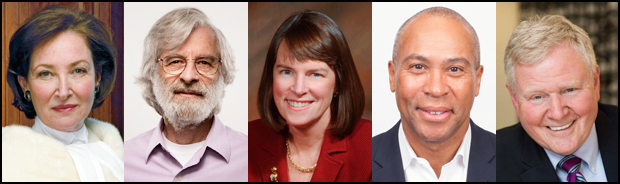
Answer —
591 162
419 169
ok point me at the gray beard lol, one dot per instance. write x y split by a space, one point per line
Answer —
184 112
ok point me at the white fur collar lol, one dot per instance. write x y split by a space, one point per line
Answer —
30 156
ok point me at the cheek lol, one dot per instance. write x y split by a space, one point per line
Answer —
407 85
280 87
41 93
531 115
85 89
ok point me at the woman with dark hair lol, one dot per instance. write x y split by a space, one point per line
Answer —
62 64
310 101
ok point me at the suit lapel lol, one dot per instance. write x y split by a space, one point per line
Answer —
387 161
608 144
541 169
481 166
276 150
328 167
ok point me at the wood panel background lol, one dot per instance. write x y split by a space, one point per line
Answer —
14 14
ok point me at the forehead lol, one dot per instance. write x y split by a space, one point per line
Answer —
285 58
200 41
64 48
562 66
436 36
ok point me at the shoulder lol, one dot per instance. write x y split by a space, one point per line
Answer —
362 130
137 145
484 134
609 111
34 157
391 134
107 133
260 132
236 138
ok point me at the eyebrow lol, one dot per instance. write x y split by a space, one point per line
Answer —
71 65
425 60
310 70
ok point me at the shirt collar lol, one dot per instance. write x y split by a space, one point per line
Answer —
407 153
587 152
78 137
217 140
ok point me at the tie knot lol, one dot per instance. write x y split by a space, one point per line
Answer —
570 163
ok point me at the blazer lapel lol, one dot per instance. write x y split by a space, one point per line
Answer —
328 167
541 168
608 144
387 161
277 152
481 166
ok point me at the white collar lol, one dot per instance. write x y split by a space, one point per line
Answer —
80 136
587 152
407 153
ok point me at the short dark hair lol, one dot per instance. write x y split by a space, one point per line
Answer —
43 27
313 35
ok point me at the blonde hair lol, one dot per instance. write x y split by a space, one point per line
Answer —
533 39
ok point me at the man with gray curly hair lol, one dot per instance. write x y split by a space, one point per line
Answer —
187 63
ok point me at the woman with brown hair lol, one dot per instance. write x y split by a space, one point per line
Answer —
62 64
310 101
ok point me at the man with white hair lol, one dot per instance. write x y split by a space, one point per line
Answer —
564 133
186 66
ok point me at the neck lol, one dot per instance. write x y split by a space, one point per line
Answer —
438 153
310 136
189 134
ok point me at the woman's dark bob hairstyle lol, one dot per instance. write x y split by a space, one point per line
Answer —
44 26
313 35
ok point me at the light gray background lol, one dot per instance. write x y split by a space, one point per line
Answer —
230 18
387 19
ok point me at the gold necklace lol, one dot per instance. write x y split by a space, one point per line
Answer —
302 169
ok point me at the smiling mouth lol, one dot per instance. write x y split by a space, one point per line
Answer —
298 104
561 127
436 112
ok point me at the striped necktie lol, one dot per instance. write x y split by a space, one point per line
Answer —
571 164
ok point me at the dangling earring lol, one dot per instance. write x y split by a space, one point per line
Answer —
335 94
27 95
96 89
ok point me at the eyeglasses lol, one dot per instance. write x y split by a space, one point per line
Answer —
175 65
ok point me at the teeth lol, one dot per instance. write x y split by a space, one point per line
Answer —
561 128
436 112
298 104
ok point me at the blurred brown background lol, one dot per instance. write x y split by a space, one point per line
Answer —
354 20
14 14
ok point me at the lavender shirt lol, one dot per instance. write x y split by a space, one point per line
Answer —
223 157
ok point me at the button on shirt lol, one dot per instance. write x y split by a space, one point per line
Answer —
419 169
591 162
222 157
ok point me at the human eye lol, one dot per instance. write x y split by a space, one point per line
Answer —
80 71
286 72
536 99
454 69
317 75
417 66
44 75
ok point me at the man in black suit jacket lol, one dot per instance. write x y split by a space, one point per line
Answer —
387 163
564 134
435 73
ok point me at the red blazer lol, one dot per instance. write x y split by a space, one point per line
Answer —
347 159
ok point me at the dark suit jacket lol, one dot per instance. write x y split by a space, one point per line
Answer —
522 159
387 162
346 159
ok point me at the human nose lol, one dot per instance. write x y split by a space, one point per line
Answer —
64 90
557 110
436 85
190 73
299 88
